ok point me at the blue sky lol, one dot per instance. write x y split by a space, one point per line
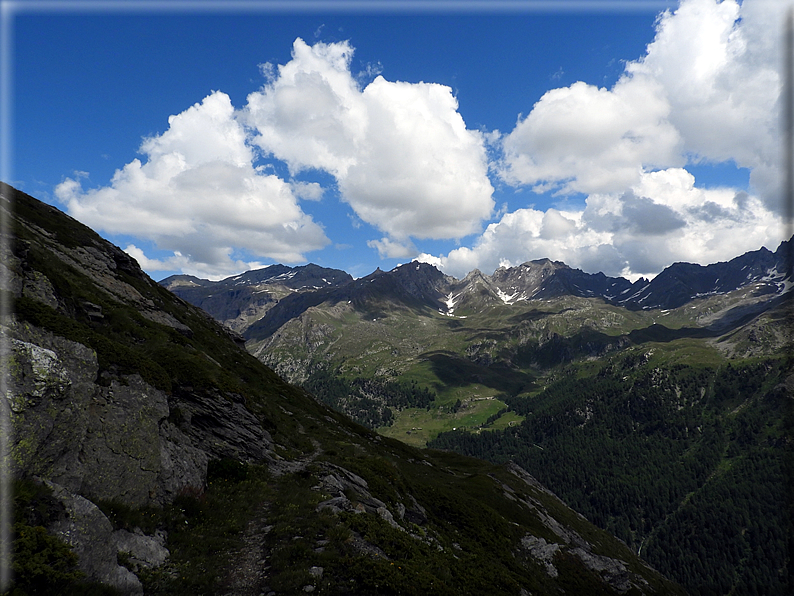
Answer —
615 140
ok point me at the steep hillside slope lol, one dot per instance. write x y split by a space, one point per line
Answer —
685 460
152 454
623 398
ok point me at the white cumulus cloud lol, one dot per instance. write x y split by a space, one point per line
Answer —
588 139
390 249
310 113
707 89
662 219
400 152
199 195
719 66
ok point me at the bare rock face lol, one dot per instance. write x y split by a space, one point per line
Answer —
141 551
221 426
612 571
50 389
89 533
122 440
181 463
542 551
122 443
102 442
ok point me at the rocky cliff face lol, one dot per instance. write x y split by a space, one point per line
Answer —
128 450
122 397
96 432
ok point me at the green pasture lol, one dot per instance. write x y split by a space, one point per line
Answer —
416 426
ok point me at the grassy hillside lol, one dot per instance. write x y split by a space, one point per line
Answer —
501 350
670 428
332 508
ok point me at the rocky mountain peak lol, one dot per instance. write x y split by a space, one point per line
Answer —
475 275
241 300
173 282
526 280
421 279
683 282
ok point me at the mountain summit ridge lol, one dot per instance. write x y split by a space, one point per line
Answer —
244 302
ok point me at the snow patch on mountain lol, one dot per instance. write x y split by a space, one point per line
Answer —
506 298
450 301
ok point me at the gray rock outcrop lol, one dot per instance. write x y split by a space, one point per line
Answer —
612 571
90 534
110 443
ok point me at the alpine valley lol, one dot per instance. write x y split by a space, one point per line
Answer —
661 410
154 450
151 454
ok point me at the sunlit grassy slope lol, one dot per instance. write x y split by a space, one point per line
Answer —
501 350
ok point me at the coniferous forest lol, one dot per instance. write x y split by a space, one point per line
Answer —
686 464
367 401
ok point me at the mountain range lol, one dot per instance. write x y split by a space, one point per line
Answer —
243 302
657 408
150 453
525 318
